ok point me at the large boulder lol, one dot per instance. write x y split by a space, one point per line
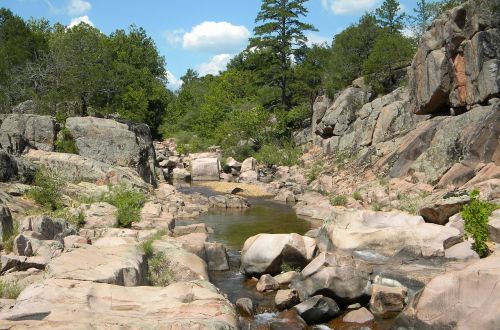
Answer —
15 169
457 61
47 228
340 277
494 227
78 168
440 209
317 309
265 253
69 304
19 132
205 169
463 299
120 265
99 215
404 236
387 301
114 143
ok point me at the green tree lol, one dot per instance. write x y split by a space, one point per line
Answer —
350 49
391 53
389 17
282 31
423 15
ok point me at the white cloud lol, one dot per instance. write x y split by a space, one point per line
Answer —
216 37
174 37
77 20
342 7
216 64
173 82
314 39
78 7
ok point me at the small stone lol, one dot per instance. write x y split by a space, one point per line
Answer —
354 306
267 283
286 278
317 309
286 299
387 301
245 307
361 316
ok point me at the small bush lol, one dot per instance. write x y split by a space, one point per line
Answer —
10 290
47 190
8 237
314 171
376 206
159 272
147 245
338 200
475 216
408 203
128 202
286 267
286 155
65 143
357 195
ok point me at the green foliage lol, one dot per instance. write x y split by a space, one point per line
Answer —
10 289
475 215
391 52
424 13
286 267
285 155
314 171
338 200
357 195
8 237
389 17
65 142
159 271
408 203
376 207
47 189
128 202
281 32
147 245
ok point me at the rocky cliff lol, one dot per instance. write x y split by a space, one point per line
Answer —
444 126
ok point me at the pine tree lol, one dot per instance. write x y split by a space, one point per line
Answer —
424 13
388 16
282 31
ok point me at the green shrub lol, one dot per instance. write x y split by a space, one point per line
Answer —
314 171
8 237
159 272
475 215
357 195
65 143
286 155
286 267
46 189
147 245
128 202
10 289
338 200
408 203
376 206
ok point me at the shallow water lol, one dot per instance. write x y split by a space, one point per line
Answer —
232 228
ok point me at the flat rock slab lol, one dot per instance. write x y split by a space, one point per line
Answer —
121 265
205 169
68 304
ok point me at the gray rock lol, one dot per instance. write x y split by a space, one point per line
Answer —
387 301
245 307
6 225
476 284
267 283
286 299
47 228
361 315
216 256
441 209
21 263
180 174
228 201
461 251
264 253
494 227
286 278
205 169
249 164
114 143
335 275
19 132
317 309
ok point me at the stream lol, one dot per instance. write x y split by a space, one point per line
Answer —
232 228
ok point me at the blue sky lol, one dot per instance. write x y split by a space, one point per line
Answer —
199 34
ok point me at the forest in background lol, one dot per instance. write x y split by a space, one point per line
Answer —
250 109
